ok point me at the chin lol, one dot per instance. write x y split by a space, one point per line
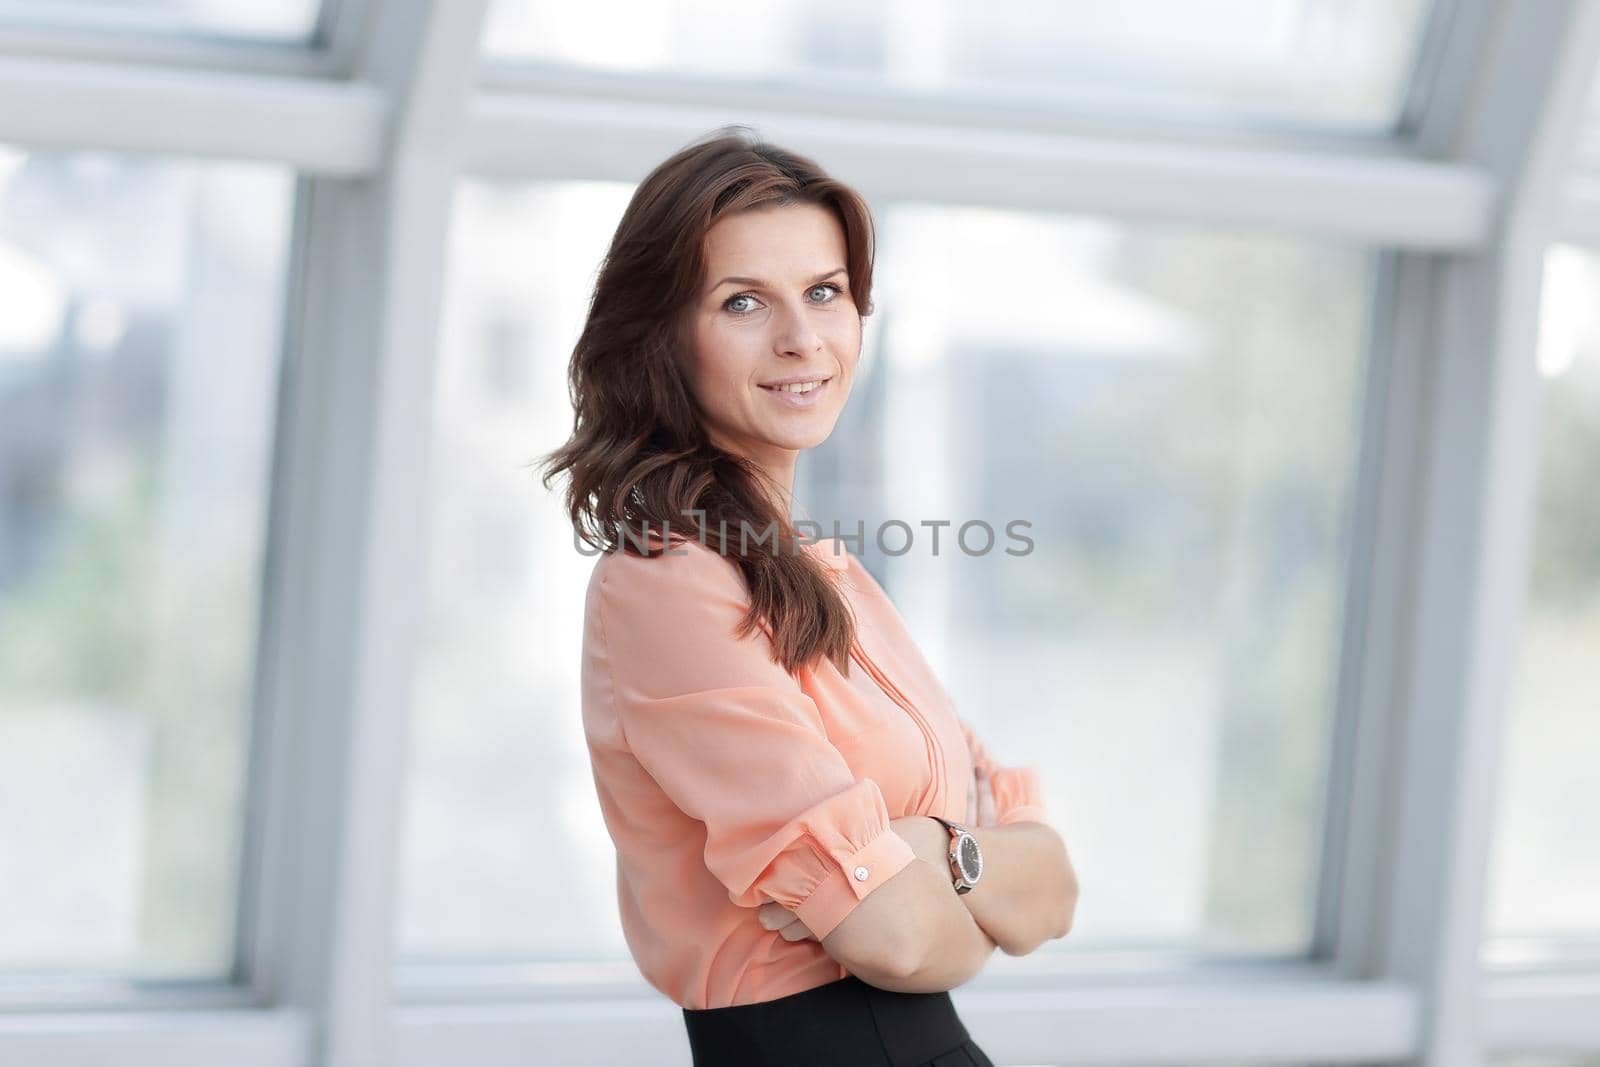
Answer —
801 441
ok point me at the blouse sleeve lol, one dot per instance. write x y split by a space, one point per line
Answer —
735 743
1018 793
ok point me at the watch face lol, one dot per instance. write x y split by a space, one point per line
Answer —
971 859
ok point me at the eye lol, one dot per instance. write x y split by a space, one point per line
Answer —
728 304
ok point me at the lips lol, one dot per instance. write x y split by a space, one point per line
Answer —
799 400
778 386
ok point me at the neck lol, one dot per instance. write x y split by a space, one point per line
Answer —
780 475
776 467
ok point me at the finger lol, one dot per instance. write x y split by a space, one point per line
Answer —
793 929
796 931
775 916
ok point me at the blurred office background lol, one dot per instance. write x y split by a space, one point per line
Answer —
1279 320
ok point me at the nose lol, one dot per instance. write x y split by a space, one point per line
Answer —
795 334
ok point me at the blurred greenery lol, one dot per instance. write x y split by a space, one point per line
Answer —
76 622
105 623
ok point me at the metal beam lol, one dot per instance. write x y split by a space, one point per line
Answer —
336 129
343 588
1383 199
1276 1018
1542 1013
180 1038
315 126
1467 527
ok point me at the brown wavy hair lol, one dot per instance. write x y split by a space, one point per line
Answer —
639 460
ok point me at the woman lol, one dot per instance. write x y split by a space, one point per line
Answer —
772 754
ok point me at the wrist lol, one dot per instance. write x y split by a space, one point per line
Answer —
927 837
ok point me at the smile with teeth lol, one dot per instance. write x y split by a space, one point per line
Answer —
796 387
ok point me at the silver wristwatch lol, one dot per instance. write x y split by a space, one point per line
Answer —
966 858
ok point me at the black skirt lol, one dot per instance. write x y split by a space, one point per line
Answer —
846 1023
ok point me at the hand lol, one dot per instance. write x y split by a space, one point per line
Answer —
980 799
775 916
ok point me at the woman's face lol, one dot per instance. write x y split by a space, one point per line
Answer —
775 306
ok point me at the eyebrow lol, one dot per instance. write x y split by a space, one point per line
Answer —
757 281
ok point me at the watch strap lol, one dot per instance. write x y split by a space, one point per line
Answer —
958 877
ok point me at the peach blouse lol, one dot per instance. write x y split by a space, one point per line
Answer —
726 782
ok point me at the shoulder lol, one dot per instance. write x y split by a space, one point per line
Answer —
684 567
678 622
688 585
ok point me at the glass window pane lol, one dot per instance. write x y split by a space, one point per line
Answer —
289 20
500 779
1303 61
139 353
1545 877
1174 410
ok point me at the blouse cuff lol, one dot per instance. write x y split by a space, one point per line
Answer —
851 875
1018 795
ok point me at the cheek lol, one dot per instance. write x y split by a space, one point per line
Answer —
720 371
847 343
849 329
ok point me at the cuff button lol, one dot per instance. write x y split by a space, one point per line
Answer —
862 874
